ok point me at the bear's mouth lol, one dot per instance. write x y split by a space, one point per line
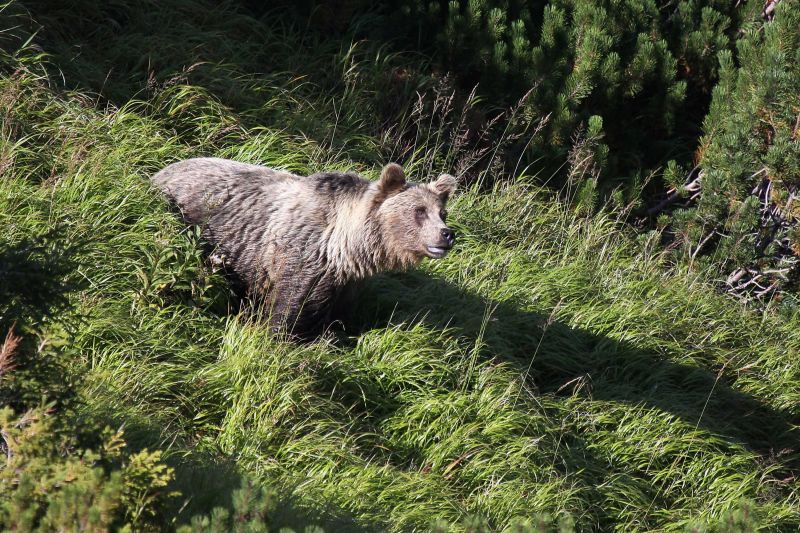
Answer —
437 252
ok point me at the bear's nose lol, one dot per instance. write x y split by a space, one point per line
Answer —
449 236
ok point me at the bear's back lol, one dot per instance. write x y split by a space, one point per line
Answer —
263 222
202 186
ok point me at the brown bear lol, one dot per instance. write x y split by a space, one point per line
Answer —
297 242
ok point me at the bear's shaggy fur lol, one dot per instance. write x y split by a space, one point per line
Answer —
298 241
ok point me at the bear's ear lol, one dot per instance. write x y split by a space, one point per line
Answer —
393 179
445 185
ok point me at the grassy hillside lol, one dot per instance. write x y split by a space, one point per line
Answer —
554 367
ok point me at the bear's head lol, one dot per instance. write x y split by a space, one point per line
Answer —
412 216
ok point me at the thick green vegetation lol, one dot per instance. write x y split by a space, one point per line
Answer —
744 223
556 371
644 67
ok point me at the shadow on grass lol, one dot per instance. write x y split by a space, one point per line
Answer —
564 360
131 50
211 482
37 276
207 481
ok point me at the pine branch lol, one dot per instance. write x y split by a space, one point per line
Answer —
692 184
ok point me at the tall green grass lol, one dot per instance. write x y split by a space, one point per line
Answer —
553 364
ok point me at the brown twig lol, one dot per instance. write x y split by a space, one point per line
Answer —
7 351
7 445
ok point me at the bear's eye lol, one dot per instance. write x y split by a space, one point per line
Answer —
420 213
443 215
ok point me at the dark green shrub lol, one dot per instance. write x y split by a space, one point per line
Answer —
744 222
631 63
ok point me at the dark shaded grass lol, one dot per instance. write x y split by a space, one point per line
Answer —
246 71
38 273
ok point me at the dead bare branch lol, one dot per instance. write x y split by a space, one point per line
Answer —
769 8
702 243
692 184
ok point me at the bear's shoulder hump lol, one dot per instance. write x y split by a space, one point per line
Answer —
338 182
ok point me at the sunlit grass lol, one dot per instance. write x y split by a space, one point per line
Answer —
552 364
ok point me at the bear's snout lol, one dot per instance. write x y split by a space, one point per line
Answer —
449 236
447 239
